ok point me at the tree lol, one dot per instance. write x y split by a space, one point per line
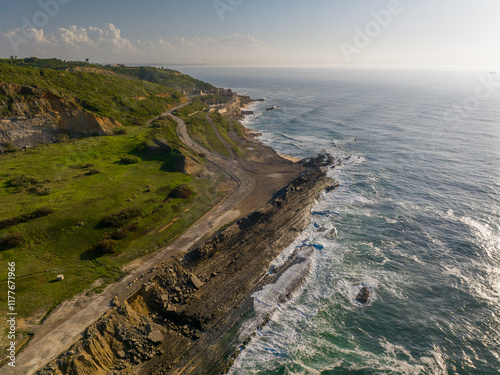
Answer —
87 60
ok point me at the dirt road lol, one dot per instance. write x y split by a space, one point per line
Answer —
66 324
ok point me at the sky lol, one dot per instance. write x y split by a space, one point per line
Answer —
254 32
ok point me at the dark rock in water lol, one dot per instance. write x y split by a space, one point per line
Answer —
322 160
363 295
333 233
332 187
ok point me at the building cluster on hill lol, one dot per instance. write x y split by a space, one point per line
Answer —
230 98
226 94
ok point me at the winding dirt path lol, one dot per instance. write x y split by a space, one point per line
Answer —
66 324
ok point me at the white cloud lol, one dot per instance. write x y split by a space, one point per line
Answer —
79 37
108 44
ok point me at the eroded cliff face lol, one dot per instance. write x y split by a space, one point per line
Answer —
33 116
186 319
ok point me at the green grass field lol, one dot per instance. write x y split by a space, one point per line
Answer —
61 242
87 207
200 129
165 77
224 125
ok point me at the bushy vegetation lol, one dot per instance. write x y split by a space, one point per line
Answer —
129 159
181 191
164 122
41 212
120 131
10 240
121 218
92 172
105 247
8 147
22 181
122 233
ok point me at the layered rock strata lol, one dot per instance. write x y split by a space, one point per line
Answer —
36 116
189 318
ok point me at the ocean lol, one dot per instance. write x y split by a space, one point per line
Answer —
417 214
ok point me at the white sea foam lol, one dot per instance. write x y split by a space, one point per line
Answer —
424 198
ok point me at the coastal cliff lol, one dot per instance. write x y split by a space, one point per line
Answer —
188 318
33 116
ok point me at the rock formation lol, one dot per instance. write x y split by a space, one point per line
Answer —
363 295
33 116
187 319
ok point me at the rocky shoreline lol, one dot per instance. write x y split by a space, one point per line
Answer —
194 315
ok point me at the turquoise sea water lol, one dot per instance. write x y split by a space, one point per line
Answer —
417 213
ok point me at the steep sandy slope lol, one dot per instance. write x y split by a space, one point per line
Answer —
32 117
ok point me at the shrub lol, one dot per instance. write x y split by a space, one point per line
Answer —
119 131
119 219
8 147
26 217
81 166
92 172
119 234
11 240
124 232
136 122
129 159
22 181
62 138
44 211
40 190
181 191
105 247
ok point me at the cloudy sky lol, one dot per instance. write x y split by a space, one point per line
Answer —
254 32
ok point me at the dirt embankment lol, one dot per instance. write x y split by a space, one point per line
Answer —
186 319
35 116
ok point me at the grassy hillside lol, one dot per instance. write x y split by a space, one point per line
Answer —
200 129
126 100
165 77
56 64
87 207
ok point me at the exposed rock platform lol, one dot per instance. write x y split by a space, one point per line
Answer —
188 319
